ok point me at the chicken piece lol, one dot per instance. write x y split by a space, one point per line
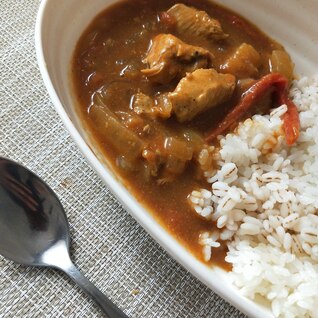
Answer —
189 20
243 63
144 104
169 58
195 93
199 91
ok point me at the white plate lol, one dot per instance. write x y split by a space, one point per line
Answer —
59 25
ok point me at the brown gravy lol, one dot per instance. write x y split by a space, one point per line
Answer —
109 54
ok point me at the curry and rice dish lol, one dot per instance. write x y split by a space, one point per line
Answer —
153 83
199 114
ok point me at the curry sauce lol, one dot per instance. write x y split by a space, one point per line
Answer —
106 69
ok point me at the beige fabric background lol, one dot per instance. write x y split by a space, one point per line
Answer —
107 244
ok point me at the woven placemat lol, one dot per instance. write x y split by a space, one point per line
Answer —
107 244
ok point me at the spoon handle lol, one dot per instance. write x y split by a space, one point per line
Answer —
91 290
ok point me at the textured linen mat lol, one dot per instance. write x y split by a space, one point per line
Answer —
107 244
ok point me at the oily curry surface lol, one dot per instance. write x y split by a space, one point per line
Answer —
123 84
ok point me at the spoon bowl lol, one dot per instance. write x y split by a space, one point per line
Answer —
35 231
32 218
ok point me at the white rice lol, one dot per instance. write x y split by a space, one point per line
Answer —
264 200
